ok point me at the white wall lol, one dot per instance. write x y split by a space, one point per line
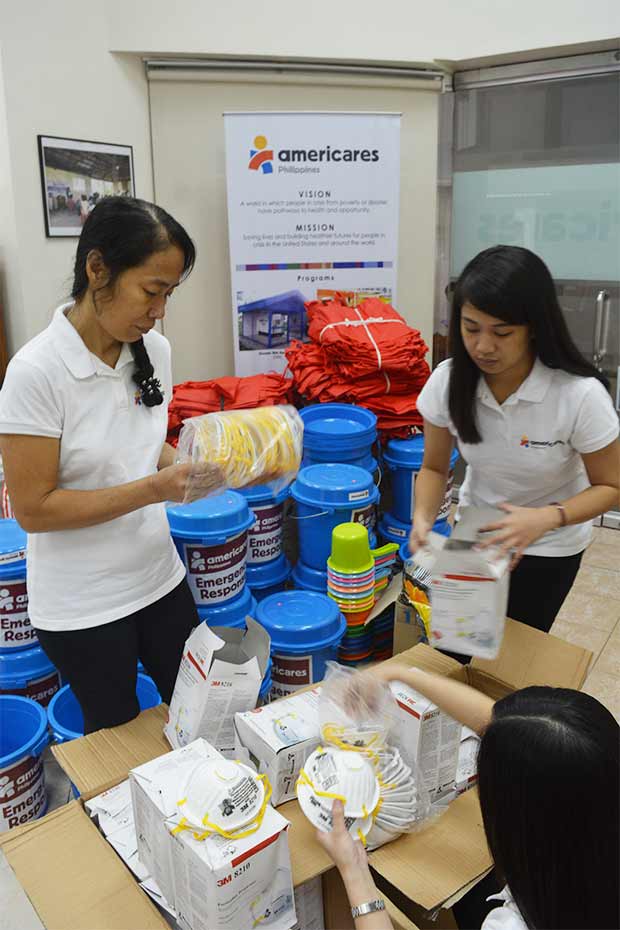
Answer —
59 79
10 271
394 30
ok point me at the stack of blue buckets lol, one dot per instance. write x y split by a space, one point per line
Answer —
403 459
335 485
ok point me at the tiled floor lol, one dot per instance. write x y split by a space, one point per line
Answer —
590 616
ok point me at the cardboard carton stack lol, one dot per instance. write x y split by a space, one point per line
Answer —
74 878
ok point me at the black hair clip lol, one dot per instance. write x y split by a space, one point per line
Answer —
150 392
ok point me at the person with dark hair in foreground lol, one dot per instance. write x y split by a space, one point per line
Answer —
532 419
83 422
549 785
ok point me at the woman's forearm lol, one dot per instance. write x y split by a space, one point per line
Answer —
590 503
430 489
458 700
73 510
361 889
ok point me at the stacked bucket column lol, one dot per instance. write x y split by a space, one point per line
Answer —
403 458
211 536
24 668
268 570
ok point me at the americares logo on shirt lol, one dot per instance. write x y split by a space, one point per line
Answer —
528 443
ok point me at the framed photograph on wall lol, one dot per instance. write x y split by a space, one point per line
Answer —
75 174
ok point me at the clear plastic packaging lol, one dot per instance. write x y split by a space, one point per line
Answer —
354 714
235 449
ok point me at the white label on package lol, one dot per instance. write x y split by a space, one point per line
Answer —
359 495
265 537
216 573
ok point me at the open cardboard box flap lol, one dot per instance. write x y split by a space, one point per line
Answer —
73 878
431 867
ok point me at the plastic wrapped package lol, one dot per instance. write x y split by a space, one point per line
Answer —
240 448
350 715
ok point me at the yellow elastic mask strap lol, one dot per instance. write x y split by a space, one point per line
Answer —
182 825
250 828
305 779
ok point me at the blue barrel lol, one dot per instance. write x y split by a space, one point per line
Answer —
404 459
231 613
310 579
15 629
327 495
23 737
30 673
268 578
211 537
305 629
265 537
65 714
393 530
339 433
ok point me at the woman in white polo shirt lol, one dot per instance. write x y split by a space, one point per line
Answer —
83 418
533 421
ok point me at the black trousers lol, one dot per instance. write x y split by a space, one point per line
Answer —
100 663
538 588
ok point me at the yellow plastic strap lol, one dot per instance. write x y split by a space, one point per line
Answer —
305 779
180 826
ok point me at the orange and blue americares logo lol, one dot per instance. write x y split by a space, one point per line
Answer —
525 442
261 157
528 443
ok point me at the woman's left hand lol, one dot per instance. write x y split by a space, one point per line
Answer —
347 854
521 527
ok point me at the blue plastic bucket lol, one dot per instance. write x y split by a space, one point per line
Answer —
309 579
393 530
327 495
339 433
265 537
65 714
269 578
305 629
404 459
29 673
211 537
15 629
231 613
23 737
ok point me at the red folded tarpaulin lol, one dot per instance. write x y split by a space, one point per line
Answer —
194 398
366 355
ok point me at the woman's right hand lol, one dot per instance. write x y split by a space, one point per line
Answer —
419 533
187 482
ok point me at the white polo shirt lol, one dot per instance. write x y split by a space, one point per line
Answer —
531 448
56 387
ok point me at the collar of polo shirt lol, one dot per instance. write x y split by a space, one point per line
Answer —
81 362
533 389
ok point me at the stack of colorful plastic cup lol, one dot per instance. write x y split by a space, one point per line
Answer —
351 583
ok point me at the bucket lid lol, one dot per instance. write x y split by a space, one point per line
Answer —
13 543
306 577
334 484
19 666
264 574
24 729
262 494
342 425
230 613
409 453
213 519
298 621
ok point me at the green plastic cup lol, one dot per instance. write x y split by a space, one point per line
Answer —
350 549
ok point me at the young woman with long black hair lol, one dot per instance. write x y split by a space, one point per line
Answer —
83 421
549 785
532 419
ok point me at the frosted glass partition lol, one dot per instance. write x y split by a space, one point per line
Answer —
567 214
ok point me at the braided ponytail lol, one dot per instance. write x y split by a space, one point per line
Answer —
149 386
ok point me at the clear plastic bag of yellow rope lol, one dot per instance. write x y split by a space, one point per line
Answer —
262 446
356 712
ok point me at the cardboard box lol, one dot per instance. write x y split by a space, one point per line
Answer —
218 676
407 629
428 740
309 905
74 879
154 795
238 883
279 737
